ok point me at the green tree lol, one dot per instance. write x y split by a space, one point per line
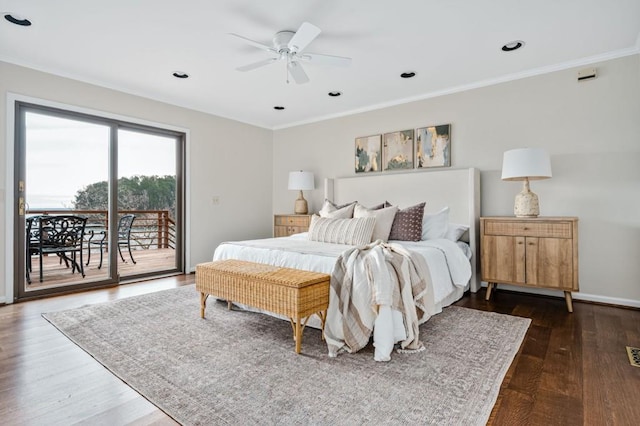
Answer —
134 193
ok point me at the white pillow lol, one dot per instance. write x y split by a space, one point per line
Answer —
435 225
356 231
455 231
384 220
337 212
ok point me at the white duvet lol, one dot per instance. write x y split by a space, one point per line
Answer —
448 265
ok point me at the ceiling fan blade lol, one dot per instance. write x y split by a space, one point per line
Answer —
316 58
254 43
298 74
305 35
255 65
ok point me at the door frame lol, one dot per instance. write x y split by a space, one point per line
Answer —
9 195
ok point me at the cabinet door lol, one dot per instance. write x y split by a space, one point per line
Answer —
550 262
280 231
503 259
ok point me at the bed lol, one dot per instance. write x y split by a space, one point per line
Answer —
451 264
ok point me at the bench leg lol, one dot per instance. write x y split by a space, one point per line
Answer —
323 319
298 335
203 303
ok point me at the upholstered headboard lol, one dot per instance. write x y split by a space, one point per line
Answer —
459 189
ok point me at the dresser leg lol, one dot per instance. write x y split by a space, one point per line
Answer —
567 297
489 288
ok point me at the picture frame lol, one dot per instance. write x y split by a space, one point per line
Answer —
433 146
368 154
397 150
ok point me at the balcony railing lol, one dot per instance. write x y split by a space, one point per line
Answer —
152 229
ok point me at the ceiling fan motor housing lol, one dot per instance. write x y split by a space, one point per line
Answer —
281 41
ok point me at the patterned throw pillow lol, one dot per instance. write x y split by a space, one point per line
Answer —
407 225
356 231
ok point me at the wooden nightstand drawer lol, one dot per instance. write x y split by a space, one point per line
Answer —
288 224
529 229
292 220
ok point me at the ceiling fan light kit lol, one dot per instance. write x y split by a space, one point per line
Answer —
288 46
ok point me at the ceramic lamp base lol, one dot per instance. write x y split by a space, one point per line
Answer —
301 205
526 204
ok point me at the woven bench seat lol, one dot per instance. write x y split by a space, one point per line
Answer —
293 293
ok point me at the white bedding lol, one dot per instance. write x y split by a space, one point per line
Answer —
449 266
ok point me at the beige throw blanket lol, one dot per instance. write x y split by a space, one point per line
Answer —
379 288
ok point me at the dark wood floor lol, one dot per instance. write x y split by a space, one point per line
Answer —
572 368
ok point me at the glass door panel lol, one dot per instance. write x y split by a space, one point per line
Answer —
147 203
66 173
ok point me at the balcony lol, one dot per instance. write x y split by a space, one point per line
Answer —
153 245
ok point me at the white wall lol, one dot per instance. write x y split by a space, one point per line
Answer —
591 130
226 158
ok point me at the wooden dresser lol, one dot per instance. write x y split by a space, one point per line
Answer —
537 252
288 224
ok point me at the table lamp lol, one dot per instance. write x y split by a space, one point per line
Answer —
301 181
526 164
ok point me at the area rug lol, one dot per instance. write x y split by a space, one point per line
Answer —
239 367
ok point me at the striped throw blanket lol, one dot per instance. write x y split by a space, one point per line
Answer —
380 289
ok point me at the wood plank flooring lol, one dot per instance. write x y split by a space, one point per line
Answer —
56 273
572 368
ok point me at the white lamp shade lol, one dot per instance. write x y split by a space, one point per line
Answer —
532 163
302 181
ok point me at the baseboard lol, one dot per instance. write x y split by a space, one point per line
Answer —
606 300
575 295
3 300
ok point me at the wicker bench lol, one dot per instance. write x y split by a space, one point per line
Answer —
293 293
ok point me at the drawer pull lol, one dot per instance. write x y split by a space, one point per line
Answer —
526 229
520 242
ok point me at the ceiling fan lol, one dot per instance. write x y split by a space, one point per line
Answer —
289 46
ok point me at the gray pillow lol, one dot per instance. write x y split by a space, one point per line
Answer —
384 220
407 224
344 211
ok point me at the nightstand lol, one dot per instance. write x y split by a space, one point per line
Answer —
288 224
539 252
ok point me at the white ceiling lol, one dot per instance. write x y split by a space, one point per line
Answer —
135 46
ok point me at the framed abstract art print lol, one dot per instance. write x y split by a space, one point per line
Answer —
433 146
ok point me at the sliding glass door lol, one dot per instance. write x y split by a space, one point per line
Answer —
147 194
97 200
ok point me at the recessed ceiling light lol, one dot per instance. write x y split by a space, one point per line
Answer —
180 74
334 94
278 107
512 45
408 74
18 20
